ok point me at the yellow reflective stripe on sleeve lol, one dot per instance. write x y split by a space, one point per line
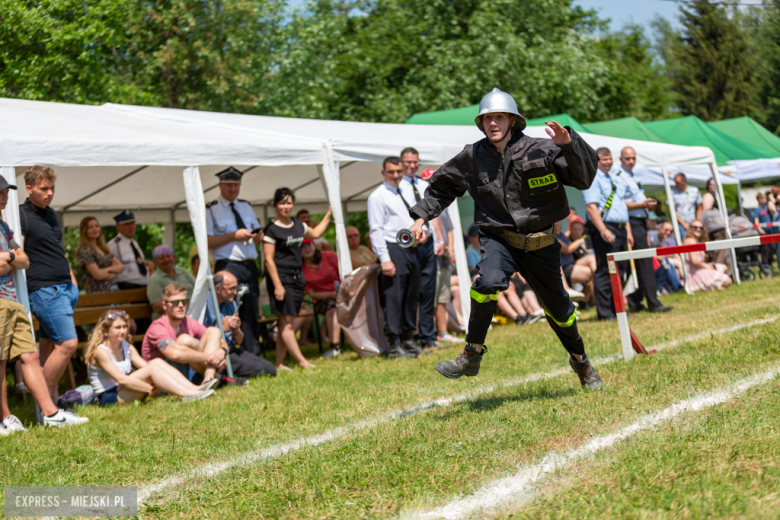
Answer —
567 323
480 298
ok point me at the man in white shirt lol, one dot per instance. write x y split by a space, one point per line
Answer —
233 232
388 213
126 249
413 189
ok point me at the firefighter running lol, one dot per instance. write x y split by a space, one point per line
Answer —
517 183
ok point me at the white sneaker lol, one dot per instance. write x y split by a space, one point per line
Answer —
63 418
449 338
10 425
331 353
538 315
197 397
575 296
211 384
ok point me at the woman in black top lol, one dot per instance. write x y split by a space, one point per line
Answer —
282 246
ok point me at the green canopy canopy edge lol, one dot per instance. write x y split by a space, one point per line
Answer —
627 128
747 130
692 131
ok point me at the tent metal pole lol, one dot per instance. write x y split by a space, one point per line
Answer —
739 197
99 190
675 226
725 216
351 197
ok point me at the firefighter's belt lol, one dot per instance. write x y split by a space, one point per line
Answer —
530 242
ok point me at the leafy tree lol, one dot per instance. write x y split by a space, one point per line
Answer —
198 54
711 64
405 56
767 44
637 84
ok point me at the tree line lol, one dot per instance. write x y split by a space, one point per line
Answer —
384 60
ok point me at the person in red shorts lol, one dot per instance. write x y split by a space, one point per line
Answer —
321 271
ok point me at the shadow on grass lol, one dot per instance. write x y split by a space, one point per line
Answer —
493 402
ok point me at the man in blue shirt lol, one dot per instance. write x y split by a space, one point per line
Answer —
244 363
638 205
608 228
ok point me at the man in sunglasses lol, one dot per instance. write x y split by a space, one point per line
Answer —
181 340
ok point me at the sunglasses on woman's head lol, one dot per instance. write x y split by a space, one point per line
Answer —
176 303
113 314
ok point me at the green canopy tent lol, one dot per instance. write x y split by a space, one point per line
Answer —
692 131
628 128
747 130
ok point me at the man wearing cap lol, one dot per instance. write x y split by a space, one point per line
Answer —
233 232
428 253
517 183
166 273
126 249
638 205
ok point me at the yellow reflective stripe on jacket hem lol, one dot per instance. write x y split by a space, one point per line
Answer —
482 297
567 323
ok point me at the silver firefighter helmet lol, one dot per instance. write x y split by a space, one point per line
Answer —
499 101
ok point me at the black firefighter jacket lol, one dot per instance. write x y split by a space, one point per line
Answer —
521 191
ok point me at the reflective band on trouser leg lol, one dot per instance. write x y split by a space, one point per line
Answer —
567 323
482 297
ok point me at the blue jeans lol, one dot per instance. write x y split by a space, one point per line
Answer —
53 308
666 276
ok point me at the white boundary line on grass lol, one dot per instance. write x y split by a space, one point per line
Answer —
518 488
215 468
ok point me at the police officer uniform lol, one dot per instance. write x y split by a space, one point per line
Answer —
127 250
607 192
412 188
637 219
517 198
239 258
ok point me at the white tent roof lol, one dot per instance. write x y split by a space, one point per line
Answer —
95 146
757 169
697 174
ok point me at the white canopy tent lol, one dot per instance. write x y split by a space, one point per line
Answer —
114 157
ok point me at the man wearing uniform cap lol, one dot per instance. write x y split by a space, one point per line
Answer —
233 232
126 249
517 183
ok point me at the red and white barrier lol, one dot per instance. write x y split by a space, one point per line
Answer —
628 339
760 225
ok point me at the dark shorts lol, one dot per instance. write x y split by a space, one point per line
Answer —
567 269
323 306
109 397
294 283
520 286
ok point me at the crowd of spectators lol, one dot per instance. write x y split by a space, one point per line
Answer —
420 291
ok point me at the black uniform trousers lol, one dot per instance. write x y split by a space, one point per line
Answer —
542 271
401 293
246 272
602 285
428 266
644 267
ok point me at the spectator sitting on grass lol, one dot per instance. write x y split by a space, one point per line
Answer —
473 254
100 266
110 360
181 340
321 271
165 274
243 362
360 254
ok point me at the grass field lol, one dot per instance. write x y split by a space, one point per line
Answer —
383 439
